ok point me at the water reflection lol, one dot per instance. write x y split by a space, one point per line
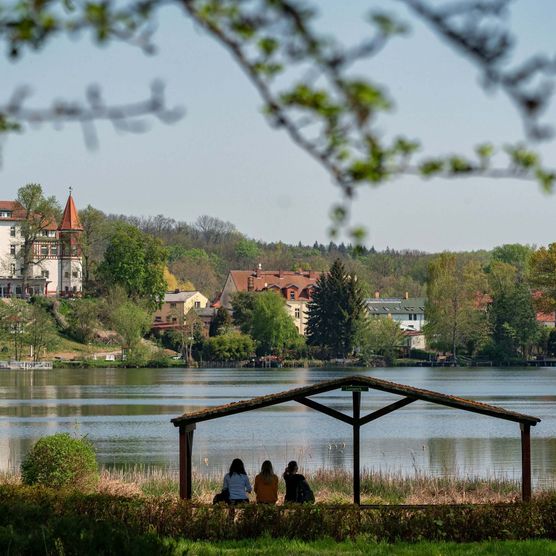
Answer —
127 412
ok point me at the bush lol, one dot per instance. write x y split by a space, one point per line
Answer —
61 461
38 516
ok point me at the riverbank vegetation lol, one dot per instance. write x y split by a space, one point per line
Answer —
331 486
36 519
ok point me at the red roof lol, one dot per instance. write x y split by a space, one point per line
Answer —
260 280
17 210
546 317
70 218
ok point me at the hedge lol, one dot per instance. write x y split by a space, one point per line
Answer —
58 515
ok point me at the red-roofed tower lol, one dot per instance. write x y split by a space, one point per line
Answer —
71 266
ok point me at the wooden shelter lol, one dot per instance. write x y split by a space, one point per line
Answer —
357 385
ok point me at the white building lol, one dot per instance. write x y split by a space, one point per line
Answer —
408 312
57 264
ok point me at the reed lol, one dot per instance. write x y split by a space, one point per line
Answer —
332 486
329 485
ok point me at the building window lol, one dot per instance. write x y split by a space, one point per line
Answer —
12 231
157 319
44 250
5 214
292 295
297 312
66 274
197 304
53 250
12 269
12 249
45 274
75 274
172 305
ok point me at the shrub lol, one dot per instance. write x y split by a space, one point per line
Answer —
61 461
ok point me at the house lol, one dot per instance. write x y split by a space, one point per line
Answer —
175 307
414 339
409 312
56 267
295 287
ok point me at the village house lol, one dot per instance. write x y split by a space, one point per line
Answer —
175 307
57 266
295 287
408 312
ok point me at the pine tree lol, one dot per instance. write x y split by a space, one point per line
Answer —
336 311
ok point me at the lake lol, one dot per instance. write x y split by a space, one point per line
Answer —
127 412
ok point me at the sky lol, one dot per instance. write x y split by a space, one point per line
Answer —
224 160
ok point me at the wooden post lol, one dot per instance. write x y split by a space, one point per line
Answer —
186 446
356 448
525 462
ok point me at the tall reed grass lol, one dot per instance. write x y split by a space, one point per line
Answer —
330 485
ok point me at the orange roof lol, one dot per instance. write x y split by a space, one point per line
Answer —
70 218
546 317
265 279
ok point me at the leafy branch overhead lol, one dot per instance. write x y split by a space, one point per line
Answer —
312 86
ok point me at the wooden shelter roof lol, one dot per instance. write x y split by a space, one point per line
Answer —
370 382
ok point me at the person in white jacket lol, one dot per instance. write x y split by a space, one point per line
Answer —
237 483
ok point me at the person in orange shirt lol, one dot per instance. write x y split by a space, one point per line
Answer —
266 485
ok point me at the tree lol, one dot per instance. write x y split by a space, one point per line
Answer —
14 318
221 323
379 336
543 276
83 318
135 261
247 251
40 212
199 268
514 254
40 332
272 327
243 307
186 335
455 309
513 321
336 311
93 241
232 346
131 322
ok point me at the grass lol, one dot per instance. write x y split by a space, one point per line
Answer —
330 486
285 547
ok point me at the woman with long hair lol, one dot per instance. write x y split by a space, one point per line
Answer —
297 488
266 484
237 483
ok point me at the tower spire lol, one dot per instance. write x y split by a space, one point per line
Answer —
70 219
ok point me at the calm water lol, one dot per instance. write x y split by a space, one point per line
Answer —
126 413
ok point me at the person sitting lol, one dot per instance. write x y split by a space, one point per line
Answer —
292 479
237 483
266 484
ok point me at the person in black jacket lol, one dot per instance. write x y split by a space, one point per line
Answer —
297 489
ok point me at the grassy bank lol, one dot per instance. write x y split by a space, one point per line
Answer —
328 547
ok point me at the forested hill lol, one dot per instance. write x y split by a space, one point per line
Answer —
202 253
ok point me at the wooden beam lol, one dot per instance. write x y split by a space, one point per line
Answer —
385 410
326 410
525 462
186 447
356 448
